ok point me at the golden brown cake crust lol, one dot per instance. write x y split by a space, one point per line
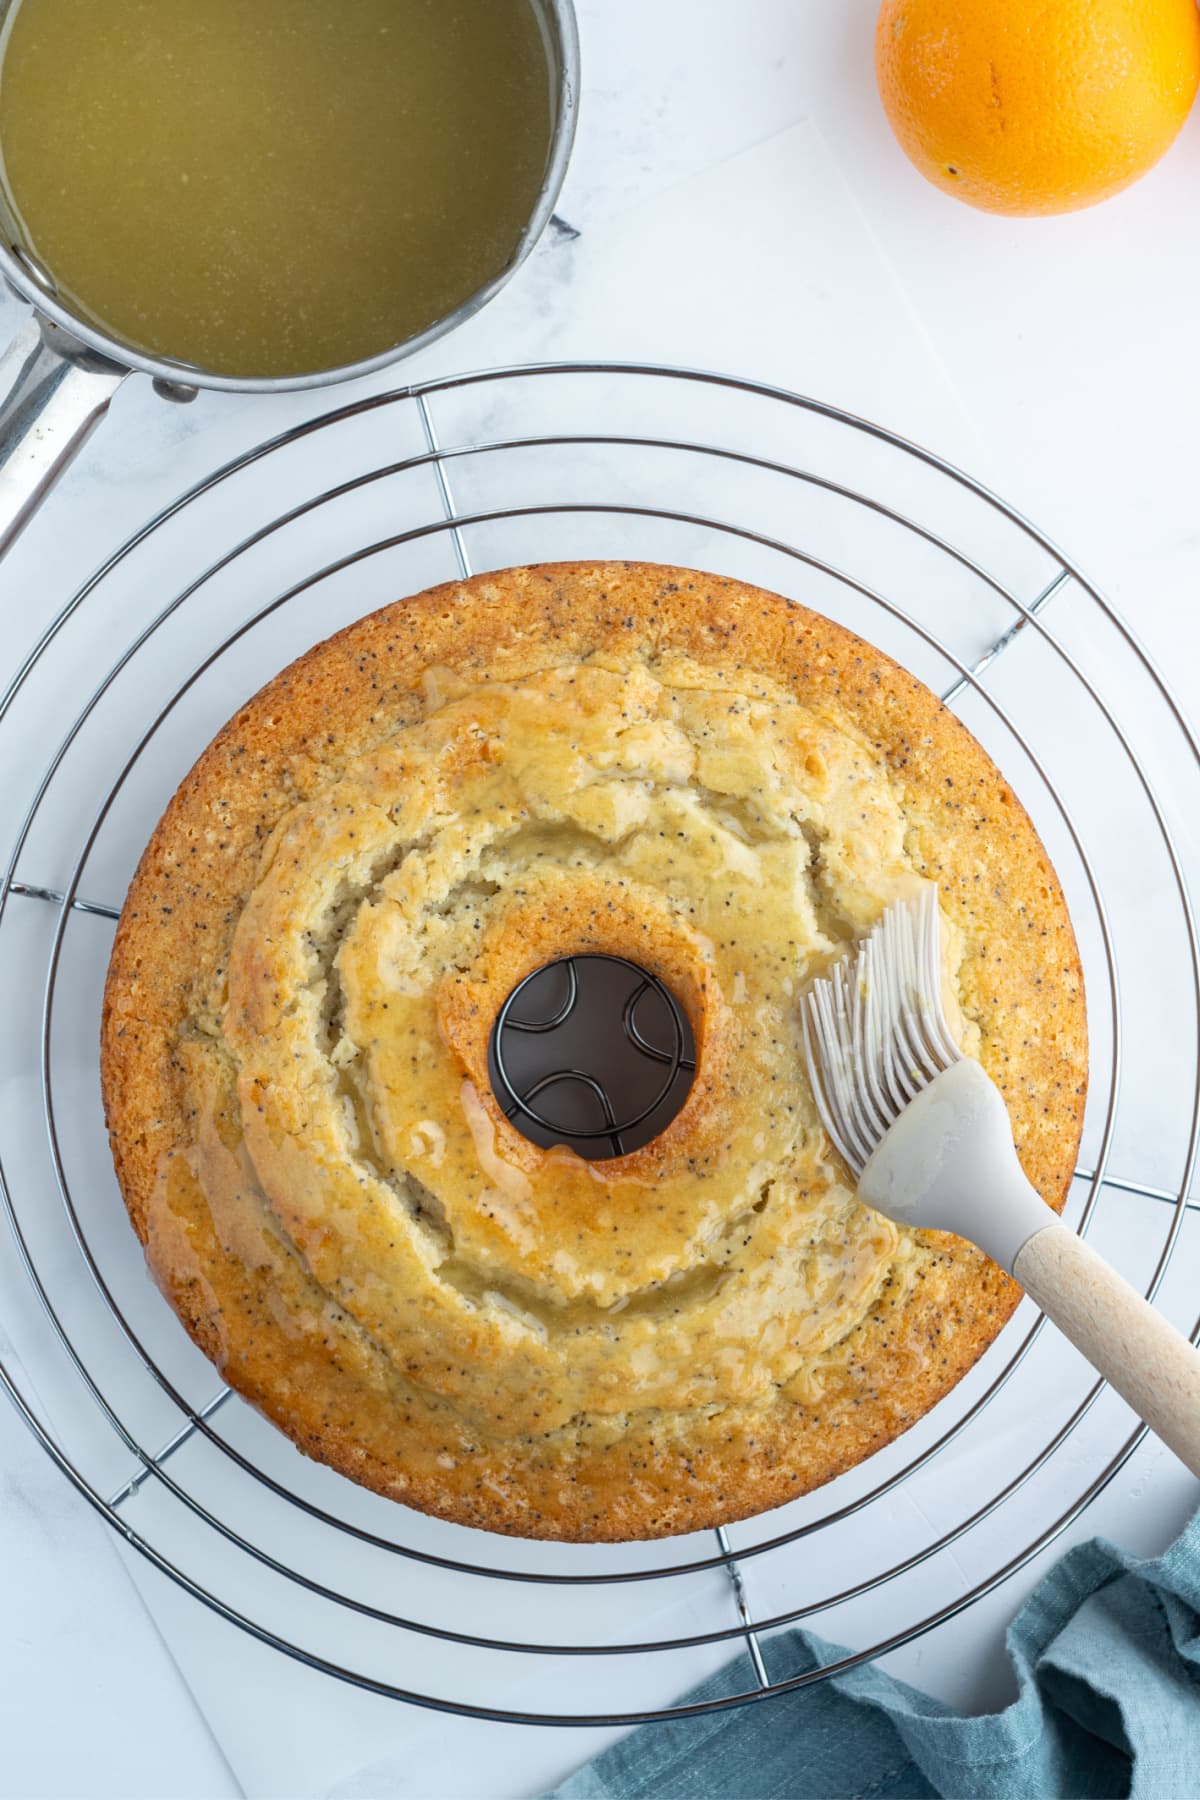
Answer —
198 1022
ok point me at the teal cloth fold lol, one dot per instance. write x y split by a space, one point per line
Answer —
1107 1657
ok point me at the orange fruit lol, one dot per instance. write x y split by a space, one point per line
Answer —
1019 106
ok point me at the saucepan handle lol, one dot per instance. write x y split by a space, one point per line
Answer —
53 393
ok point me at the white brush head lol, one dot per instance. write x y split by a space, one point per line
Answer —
875 1034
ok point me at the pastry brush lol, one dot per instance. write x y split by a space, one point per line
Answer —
926 1135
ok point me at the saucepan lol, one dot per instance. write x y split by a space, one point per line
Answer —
60 372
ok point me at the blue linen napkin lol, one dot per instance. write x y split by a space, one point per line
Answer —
1107 1657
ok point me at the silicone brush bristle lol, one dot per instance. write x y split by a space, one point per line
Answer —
875 1033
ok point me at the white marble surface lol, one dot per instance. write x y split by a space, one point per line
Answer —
1057 359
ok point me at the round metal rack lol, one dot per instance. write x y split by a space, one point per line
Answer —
384 496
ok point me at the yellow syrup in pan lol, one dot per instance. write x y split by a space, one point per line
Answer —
272 187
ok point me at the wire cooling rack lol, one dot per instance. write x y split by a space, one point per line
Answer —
380 498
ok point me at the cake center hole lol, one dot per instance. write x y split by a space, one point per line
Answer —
594 1052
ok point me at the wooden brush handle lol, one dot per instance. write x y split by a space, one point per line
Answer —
1150 1364
948 1164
